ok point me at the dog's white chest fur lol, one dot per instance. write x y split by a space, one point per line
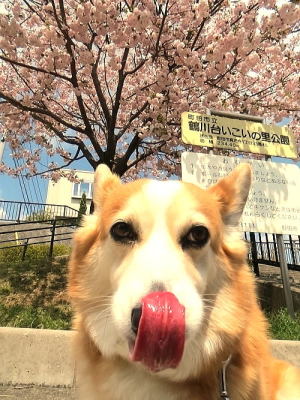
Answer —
129 383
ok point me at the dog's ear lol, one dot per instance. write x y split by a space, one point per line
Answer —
232 193
104 182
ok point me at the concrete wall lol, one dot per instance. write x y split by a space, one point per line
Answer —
271 295
44 357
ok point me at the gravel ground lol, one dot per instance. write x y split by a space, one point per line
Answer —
36 393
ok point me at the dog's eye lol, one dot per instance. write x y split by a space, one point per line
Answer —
123 232
196 237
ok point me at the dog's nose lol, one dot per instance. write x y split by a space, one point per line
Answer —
135 319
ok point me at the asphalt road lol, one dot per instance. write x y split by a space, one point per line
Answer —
36 393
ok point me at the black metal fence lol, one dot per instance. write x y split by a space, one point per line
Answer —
38 223
263 250
19 211
27 233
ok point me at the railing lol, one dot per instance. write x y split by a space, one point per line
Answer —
24 234
264 251
19 211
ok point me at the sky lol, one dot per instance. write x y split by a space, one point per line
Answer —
36 187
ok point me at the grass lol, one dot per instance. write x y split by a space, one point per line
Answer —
33 291
50 317
35 253
282 326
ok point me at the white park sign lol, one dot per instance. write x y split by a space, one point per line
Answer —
273 205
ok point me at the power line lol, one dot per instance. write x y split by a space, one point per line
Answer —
31 180
26 185
35 183
39 188
23 192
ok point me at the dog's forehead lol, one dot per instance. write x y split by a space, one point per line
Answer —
162 192
159 195
175 199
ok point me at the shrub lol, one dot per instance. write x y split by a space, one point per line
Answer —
39 216
82 208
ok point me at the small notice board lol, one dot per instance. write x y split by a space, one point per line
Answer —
273 204
239 135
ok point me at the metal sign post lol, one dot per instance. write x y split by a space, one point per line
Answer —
285 275
284 271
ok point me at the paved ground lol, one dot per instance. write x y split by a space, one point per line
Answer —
35 393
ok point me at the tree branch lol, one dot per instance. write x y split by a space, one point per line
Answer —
143 156
122 77
68 139
36 69
160 31
37 110
132 118
99 92
88 131
75 158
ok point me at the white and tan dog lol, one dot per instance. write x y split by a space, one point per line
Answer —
163 296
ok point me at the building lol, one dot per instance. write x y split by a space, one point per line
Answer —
68 193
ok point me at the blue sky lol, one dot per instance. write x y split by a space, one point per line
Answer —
36 187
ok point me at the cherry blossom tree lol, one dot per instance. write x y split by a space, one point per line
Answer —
107 80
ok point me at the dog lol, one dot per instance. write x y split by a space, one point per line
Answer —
165 304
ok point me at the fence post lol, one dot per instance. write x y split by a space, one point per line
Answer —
25 249
285 276
19 214
254 253
292 250
52 237
276 251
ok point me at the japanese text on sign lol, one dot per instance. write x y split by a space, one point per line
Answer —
238 135
273 203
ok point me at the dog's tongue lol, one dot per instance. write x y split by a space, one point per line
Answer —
160 339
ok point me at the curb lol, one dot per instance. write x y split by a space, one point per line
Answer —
44 357
36 356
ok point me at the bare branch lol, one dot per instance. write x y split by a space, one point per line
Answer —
71 160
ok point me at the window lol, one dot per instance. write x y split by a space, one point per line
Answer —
83 187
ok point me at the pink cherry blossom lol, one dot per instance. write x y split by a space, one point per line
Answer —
110 79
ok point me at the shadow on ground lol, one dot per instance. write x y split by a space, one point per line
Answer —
36 393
